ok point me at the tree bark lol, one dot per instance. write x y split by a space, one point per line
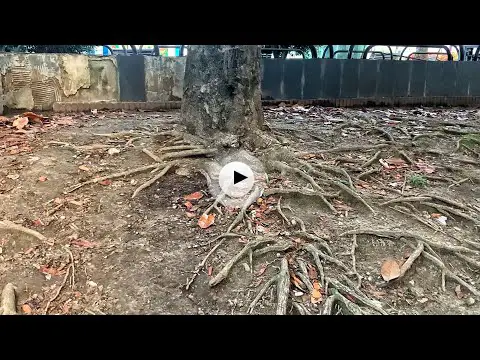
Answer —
222 91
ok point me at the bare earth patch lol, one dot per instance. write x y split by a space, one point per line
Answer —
399 213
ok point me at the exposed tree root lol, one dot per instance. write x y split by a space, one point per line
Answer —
355 148
113 176
154 179
222 275
152 155
448 201
179 147
352 193
218 200
280 211
450 210
9 226
419 136
373 159
343 289
261 292
302 310
354 261
367 173
82 147
385 133
406 199
9 303
399 235
187 153
311 248
278 248
336 170
45 312
282 167
283 288
469 260
306 192
254 195
314 252
348 308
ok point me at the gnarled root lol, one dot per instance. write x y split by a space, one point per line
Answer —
261 292
8 305
283 288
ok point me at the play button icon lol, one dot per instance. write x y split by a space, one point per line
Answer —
236 179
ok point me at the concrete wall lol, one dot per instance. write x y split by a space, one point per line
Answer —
164 78
36 81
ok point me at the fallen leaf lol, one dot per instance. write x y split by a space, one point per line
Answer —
435 215
38 222
188 205
20 122
32 116
210 270
83 243
84 168
316 285
427 169
26 309
105 182
42 178
390 270
50 271
190 215
206 221
315 296
396 162
297 282
195 196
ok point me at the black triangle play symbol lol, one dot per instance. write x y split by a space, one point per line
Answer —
237 177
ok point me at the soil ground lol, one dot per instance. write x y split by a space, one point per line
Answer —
134 256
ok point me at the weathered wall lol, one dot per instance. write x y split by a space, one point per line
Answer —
36 81
164 78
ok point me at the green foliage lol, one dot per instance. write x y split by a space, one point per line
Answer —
418 181
64 49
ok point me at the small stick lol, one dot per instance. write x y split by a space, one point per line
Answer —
261 292
187 153
180 147
154 179
283 288
45 312
73 266
368 172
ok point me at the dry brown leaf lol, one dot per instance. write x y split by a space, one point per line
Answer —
206 221
188 205
312 272
83 243
315 296
26 309
262 270
194 196
32 116
390 270
105 182
316 285
84 168
38 222
395 161
210 270
51 271
20 122
427 169
458 291
190 214
297 282
42 178
436 215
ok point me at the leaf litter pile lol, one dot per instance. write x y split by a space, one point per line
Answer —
366 211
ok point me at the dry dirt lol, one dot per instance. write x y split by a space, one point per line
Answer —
135 256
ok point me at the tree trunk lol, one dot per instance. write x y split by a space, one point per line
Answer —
222 91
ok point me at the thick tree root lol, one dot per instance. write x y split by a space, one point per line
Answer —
152 155
154 179
399 235
373 159
284 167
254 195
306 192
283 288
336 170
10 226
188 153
218 200
449 201
348 308
353 194
450 210
222 275
311 248
113 176
261 292
179 147
406 199
367 173
314 252
353 294
353 148
8 305
278 248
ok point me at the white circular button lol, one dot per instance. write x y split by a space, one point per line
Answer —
236 179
